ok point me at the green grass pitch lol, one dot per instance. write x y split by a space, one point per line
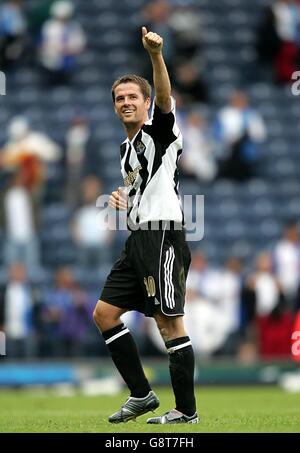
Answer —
222 409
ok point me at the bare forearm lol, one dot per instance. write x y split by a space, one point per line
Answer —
161 80
153 43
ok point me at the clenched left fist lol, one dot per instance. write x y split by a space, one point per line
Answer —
152 42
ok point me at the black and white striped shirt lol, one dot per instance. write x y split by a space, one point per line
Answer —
149 166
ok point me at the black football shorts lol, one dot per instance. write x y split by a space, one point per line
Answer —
150 273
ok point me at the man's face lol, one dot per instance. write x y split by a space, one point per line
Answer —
130 105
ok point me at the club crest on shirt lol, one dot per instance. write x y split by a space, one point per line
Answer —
139 147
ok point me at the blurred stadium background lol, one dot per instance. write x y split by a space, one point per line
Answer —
231 65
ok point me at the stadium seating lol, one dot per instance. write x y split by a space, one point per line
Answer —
239 218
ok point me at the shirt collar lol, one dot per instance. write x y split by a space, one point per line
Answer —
127 141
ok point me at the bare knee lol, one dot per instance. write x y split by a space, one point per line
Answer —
170 328
107 316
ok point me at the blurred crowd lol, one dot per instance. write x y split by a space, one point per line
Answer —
230 311
245 310
46 35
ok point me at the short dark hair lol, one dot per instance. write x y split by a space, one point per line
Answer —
144 85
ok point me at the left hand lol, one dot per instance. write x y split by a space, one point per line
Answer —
152 42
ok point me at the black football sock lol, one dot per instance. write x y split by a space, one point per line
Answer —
182 365
126 358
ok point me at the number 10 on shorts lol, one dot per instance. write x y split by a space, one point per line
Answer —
150 286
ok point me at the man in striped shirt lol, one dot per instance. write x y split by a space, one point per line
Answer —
150 275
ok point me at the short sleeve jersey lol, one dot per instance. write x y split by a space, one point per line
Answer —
149 166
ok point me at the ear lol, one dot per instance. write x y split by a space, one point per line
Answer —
148 103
